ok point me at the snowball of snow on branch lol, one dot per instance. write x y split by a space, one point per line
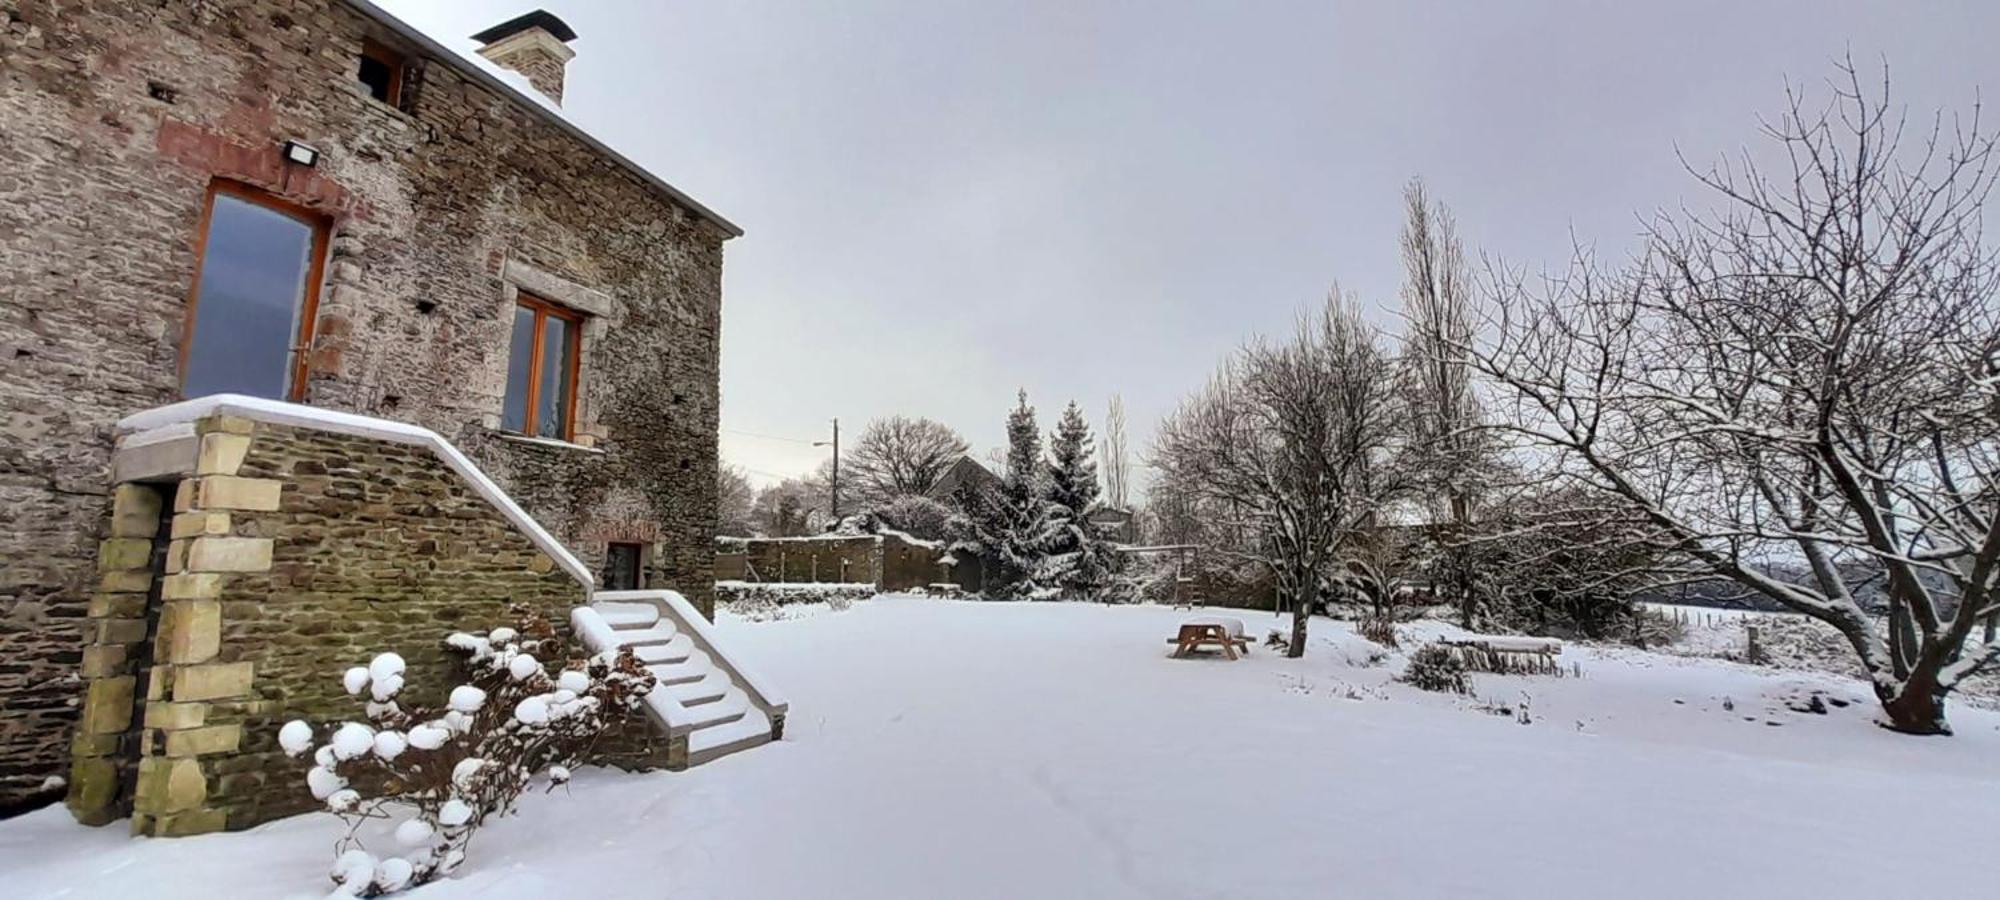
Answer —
454 813
323 782
467 699
352 739
385 665
393 874
428 737
384 687
466 770
296 737
389 744
356 679
355 868
414 833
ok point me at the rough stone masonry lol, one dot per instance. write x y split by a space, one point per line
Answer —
441 208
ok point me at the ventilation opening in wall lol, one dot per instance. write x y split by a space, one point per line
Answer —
382 73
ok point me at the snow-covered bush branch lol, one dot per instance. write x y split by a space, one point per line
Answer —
444 772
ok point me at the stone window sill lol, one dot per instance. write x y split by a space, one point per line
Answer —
519 438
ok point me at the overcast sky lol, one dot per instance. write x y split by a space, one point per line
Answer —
947 200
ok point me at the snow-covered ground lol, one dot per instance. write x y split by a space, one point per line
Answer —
945 749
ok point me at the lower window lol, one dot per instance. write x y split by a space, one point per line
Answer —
250 319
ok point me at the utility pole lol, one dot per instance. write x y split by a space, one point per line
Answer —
834 501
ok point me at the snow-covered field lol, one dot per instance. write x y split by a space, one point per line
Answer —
965 750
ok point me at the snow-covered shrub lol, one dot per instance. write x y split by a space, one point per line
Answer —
1435 668
1380 629
444 772
761 601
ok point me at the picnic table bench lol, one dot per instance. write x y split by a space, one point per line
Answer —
1205 632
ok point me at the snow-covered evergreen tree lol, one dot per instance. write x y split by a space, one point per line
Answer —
1078 562
1024 548
1007 527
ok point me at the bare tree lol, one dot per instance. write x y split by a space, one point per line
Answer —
899 456
1453 455
785 509
733 499
1291 440
1808 376
1117 463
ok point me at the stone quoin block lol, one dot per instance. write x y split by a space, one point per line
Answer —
124 553
191 586
233 492
190 632
229 554
198 523
209 739
135 511
221 454
172 716
107 705
211 682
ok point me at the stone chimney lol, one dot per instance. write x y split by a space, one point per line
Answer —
535 45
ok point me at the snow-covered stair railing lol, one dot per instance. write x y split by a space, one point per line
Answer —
708 704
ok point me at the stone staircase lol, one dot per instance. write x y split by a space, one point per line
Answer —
706 703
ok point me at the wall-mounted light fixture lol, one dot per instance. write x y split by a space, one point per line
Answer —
303 154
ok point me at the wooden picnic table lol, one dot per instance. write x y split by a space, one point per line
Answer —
1224 634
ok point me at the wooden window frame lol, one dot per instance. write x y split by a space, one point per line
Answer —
544 310
322 229
391 60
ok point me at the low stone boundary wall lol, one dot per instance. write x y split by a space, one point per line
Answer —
888 562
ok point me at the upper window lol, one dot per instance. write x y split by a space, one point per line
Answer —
541 370
256 291
382 72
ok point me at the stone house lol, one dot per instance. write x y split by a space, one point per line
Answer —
310 201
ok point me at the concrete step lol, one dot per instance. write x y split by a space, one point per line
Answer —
751 730
696 667
651 653
731 707
657 633
707 689
626 616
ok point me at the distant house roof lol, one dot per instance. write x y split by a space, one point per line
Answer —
472 69
965 471
1110 514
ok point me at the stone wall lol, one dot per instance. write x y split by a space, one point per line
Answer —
120 116
908 565
824 559
890 562
294 554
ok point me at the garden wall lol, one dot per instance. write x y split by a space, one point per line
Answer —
890 561
291 554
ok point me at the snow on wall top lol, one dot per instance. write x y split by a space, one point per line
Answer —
140 428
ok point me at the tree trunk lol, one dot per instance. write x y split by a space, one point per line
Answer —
1308 594
1919 707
